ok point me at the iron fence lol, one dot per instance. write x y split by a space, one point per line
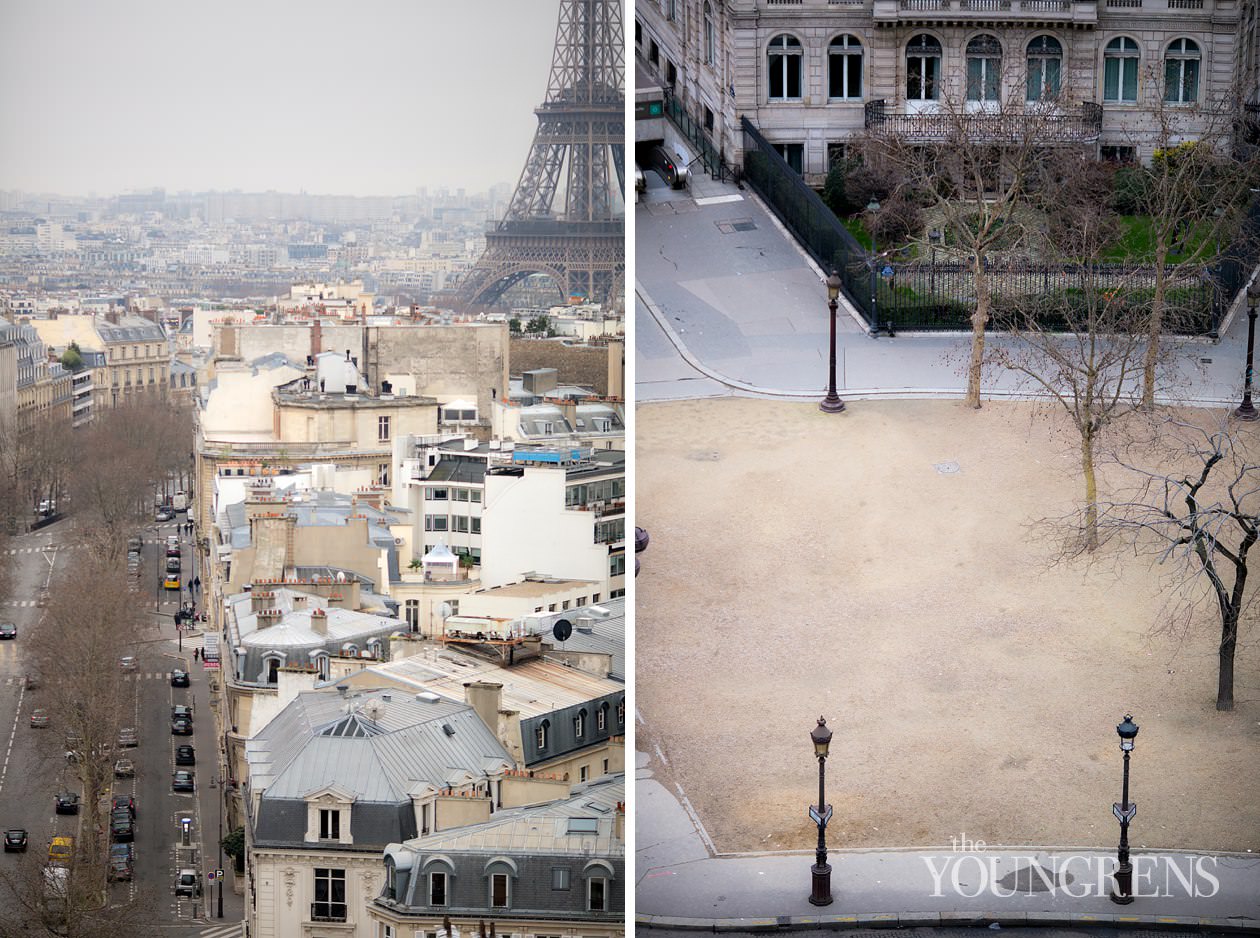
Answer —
710 157
895 290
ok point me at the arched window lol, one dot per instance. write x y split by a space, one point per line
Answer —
984 68
540 734
1045 66
499 872
844 68
710 47
1181 72
1120 70
601 717
784 63
579 724
923 68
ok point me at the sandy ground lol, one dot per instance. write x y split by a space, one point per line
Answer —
805 564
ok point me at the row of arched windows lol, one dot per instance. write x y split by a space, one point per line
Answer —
1044 69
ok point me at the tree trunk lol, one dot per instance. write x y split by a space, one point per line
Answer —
1225 677
1155 327
1091 491
979 319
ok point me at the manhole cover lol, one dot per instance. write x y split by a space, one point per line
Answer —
736 224
947 468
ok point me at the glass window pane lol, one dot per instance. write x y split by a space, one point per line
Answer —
1130 79
855 76
932 65
1191 81
1172 80
1111 80
794 76
835 76
974 78
1052 75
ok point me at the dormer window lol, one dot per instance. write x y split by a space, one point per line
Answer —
579 724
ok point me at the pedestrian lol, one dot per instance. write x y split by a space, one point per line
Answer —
196 654
196 583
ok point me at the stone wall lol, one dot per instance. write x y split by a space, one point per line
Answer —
574 364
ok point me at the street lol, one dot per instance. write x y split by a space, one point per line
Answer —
34 770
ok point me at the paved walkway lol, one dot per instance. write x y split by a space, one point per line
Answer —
727 304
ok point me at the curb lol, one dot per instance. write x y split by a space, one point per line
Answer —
955 919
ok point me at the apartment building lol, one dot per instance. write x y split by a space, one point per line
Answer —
813 74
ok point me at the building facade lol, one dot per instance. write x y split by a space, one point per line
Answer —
813 74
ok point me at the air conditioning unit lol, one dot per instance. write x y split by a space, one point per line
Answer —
398 542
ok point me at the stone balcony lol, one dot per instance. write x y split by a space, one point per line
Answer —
1078 13
1069 125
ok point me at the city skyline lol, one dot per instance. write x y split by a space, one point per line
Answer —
275 106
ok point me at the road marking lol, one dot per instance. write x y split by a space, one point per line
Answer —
4 770
223 931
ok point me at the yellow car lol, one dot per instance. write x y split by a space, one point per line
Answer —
61 851
171 582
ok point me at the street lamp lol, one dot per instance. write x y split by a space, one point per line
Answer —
1124 812
820 815
934 237
1246 410
831 404
872 208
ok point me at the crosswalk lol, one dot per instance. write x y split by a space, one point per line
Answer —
20 603
234 930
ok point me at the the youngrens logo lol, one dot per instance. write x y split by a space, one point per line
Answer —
971 873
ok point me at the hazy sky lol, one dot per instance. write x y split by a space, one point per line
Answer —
376 97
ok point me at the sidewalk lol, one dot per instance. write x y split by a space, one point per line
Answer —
682 885
726 303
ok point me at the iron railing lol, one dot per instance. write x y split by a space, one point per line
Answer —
710 156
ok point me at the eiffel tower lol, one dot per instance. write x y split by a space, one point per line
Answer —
580 141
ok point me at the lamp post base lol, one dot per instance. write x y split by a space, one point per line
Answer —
821 884
1246 411
831 404
1123 893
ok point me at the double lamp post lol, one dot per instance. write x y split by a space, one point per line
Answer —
820 814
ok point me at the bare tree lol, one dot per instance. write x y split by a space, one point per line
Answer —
77 648
1080 348
969 164
1195 504
1191 196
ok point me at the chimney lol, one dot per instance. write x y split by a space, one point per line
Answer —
260 600
485 698
268 617
319 622
111 316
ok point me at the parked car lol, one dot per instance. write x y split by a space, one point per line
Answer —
14 840
128 663
182 712
170 581
182 780
122 826
61 851
172 564
179 678
185 755
163 514
120 863
8 630
67 803
187 883
181 727
120 802
172 550
39 718
48 506
124 768
128 737
172 540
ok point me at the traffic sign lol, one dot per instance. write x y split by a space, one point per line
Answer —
210 876
887 272
1123 815
218 874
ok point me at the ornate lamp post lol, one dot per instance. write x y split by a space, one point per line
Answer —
1124 812
934 236
872 208
1246 410
831 404
820 815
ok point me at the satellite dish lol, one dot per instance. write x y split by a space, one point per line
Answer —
562 629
